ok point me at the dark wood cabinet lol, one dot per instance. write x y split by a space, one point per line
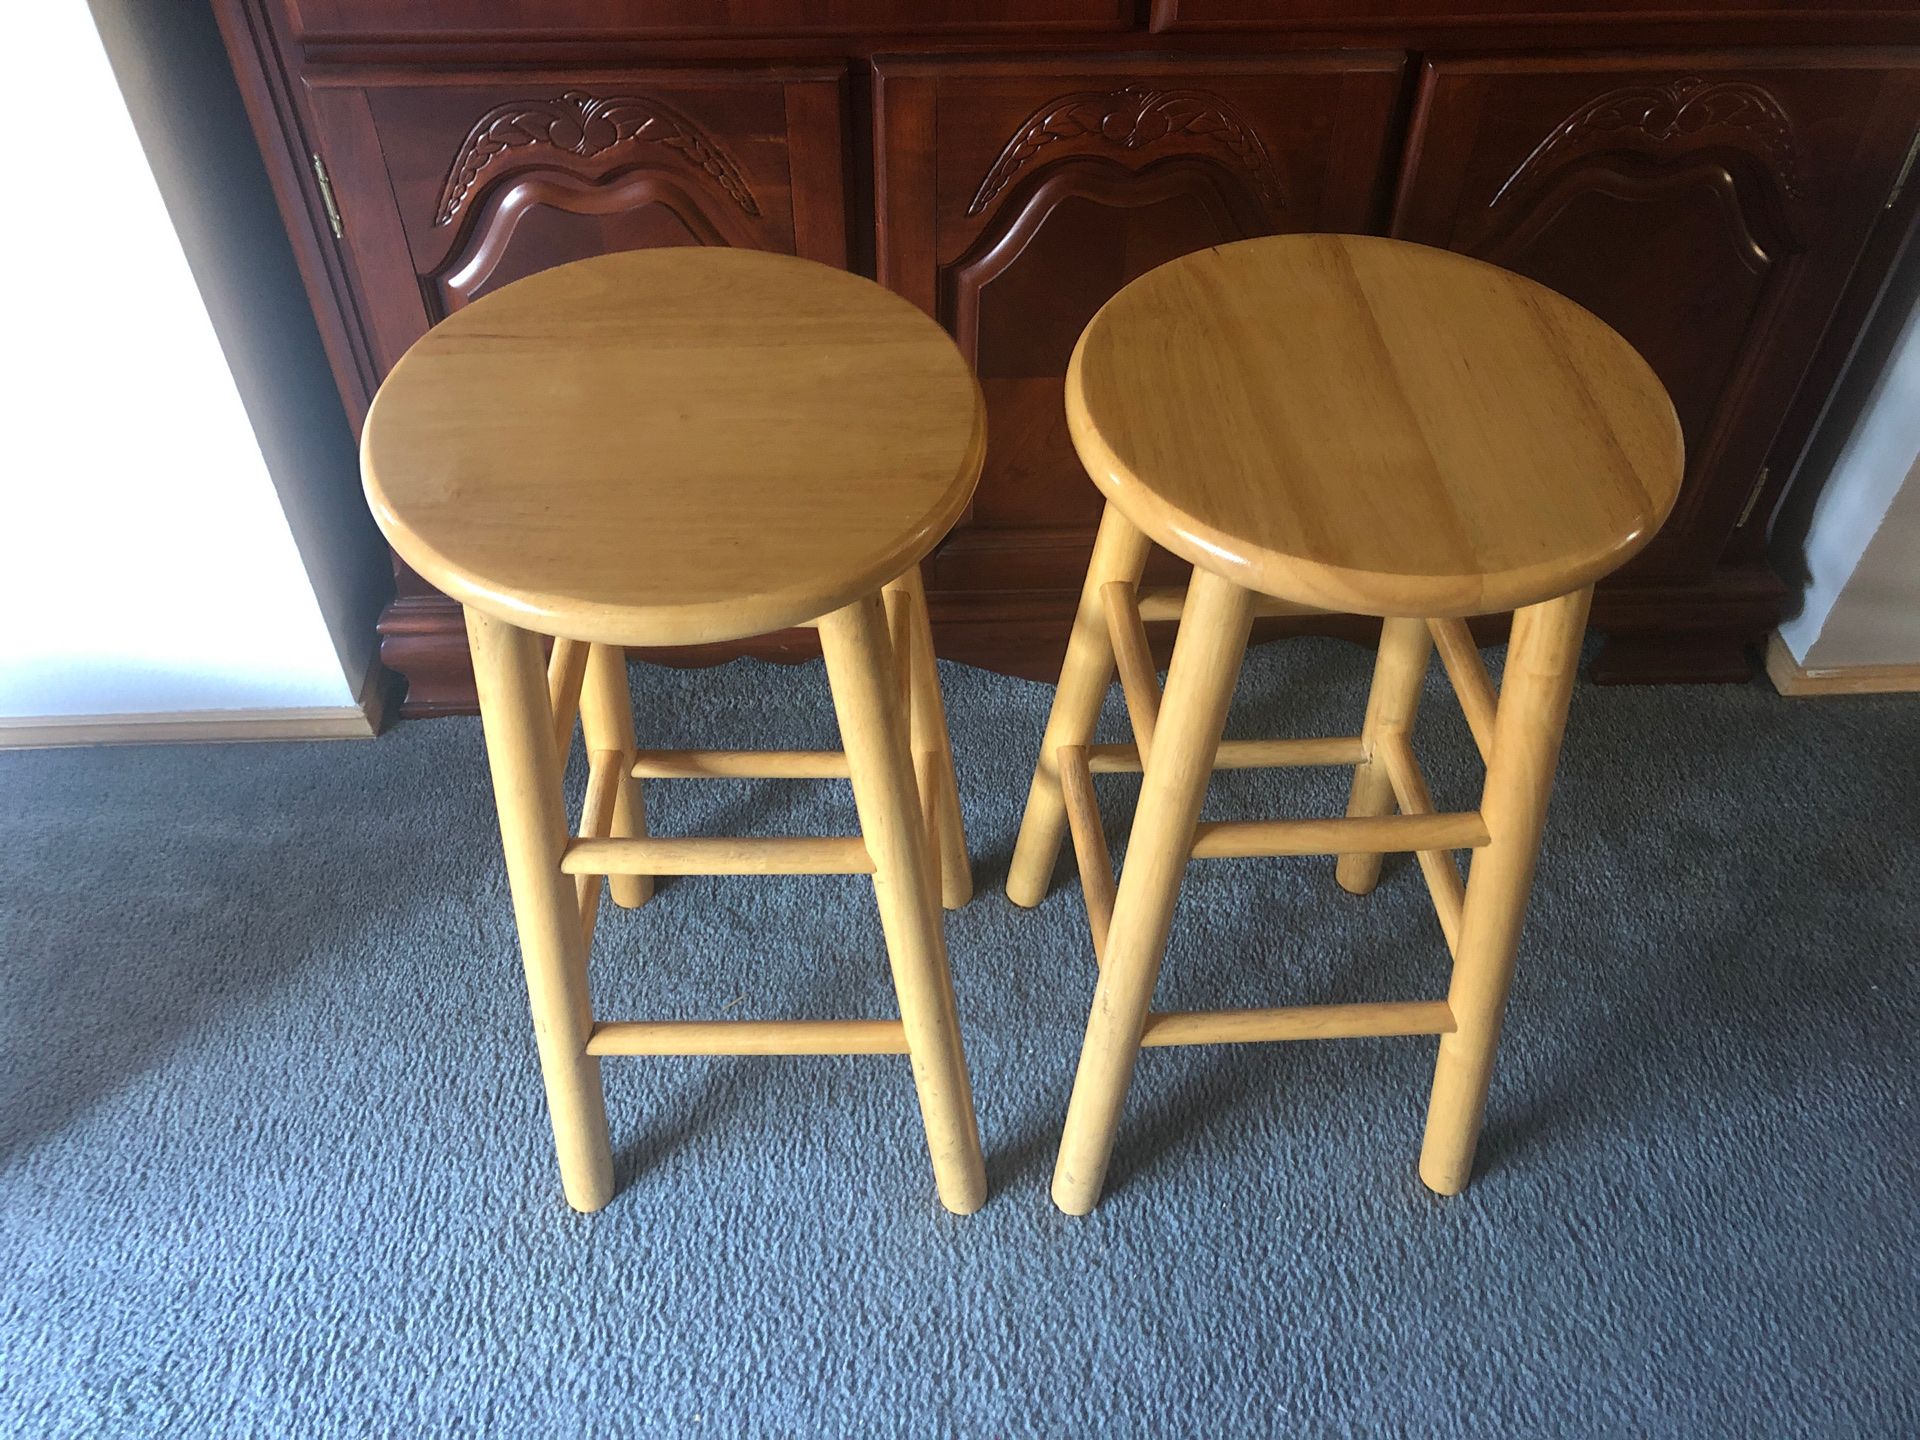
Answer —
1008 167
1016 196
1710 209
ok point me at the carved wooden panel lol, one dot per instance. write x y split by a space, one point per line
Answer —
1016 198
1709 210
489 178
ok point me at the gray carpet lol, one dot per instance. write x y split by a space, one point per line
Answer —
274 1161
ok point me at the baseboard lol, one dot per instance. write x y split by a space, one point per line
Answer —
360 721
1793 679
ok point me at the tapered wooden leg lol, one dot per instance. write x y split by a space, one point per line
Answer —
1119 553
606 717
933 748
1206 662
1398 673
874 735
518 720
1542 657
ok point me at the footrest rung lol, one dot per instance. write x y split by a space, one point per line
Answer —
1167 603
740 765
720 855
1242 754
748 1037
1299 1022
1384 834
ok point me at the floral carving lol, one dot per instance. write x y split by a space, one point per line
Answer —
577 123
1690 112
1133 118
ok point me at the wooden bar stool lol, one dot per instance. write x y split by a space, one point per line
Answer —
678 447
1335 423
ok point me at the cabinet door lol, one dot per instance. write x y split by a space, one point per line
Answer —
1015 197
451 186
1710 208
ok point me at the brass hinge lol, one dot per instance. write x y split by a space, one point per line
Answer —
326 197
1906 169
1753 497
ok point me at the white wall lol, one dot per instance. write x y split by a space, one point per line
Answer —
146 562
1862 604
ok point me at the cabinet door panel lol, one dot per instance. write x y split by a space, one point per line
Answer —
1016 197
1710 208
481 180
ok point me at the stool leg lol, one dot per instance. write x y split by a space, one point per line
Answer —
933 747
1206 662
1398 672
874 735
1119 553
1542 657
606 718
526 786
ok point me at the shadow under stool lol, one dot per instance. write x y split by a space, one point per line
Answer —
1350 424
682 447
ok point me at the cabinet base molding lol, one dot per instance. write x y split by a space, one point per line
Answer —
172 727
362 720
1798 681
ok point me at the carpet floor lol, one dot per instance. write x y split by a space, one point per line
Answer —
274 1158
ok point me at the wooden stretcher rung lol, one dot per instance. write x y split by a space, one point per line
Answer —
1385 834
1299 1022
1242 754
1167 603
605 772
748 1037
720 855
1410 793
1133 658
740 765
1471 684
1090 851
566 673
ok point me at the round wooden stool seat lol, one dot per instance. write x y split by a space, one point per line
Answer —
671 447
1365 425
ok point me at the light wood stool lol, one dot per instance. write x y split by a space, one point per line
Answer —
678 447
1335 423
